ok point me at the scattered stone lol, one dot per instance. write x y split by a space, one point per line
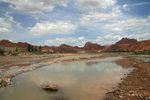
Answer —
146 61
141 88
120 96
4 81
50 88
144 97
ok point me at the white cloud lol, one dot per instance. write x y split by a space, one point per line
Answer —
81 38
140 3
113 38
97 17
80 41
5 26
108 39
129 24
35 6
7 23
58 27
88 5
143 36
125 6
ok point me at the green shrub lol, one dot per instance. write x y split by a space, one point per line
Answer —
145 52
2 52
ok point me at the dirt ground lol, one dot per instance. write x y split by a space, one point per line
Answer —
136 86
6 60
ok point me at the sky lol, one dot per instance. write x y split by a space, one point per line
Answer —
74 22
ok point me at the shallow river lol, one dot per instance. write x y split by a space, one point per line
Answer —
83 80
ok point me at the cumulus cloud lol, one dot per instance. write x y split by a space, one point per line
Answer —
140 4
80 41
7 23
97 17
5 26
58 27
88 5
125 6
35 6
143 36
108 39
129 24
112 38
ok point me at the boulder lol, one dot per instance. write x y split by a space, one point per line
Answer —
50 88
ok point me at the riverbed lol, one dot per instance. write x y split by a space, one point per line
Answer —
82 80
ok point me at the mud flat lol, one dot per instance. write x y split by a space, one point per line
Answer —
136 86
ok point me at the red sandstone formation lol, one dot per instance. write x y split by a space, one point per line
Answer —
126 41
92 47
128 45
124 44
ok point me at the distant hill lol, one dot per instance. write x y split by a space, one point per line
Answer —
92 47
124 44
66 49
7 43
126 41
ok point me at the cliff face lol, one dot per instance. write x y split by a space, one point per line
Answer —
128 45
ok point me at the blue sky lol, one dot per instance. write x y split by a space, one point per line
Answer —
74 22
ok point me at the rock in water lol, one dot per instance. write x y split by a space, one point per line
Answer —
50 88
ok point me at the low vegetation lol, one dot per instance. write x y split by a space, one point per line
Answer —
145 52
1 52
12 51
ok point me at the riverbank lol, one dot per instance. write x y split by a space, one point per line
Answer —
136 86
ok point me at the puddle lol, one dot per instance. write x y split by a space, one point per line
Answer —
84 80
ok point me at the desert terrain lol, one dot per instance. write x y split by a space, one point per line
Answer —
132 86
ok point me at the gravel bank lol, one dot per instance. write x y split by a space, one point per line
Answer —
136 86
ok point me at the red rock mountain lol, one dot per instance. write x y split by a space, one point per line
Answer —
126 41
128 45
66 49
91 47
124 44
7 43
22 45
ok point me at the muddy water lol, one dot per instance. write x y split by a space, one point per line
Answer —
84 80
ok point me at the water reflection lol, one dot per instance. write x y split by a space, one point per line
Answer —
75 80
90 63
